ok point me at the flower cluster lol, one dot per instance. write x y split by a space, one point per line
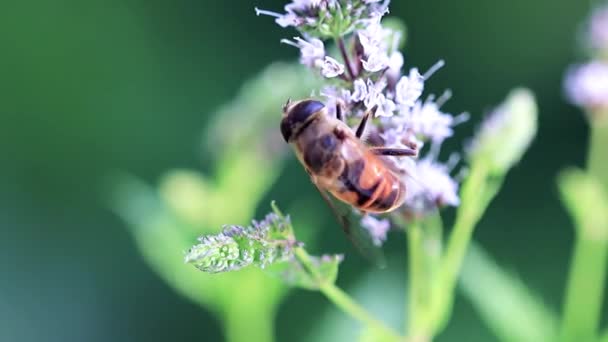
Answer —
586 84
365 73
261 244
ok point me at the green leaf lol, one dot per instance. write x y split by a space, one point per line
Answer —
604 337
309 275
511 310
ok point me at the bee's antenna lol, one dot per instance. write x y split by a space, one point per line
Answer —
286 106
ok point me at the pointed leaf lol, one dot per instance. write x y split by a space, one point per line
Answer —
512 311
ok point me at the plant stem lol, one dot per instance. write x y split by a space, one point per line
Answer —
249 323
416 281
475 198
585 288
597 159
349 66
344 301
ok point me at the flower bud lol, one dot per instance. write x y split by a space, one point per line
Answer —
507 132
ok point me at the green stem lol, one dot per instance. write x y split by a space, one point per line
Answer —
597 160
345 302
585 288
245 323
416 278
475 198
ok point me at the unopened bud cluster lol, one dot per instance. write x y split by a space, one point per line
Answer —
260 244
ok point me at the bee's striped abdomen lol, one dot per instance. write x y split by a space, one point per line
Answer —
369 186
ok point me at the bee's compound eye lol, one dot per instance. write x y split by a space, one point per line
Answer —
286 129
297 115
303 110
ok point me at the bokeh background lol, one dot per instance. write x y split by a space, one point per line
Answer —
90 87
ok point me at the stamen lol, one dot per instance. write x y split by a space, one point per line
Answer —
444 98
452 161
461 118
434 150
265 12
289 42
433 69
461 175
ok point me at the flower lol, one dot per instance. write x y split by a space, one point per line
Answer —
431 186
312 51
426 120
360 91
368 75
373 37
586 85
283 20
331 67
409 89
328 18
598 28
376 62
377 228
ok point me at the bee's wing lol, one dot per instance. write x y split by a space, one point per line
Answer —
358 235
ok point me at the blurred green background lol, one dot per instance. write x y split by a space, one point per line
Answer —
90 87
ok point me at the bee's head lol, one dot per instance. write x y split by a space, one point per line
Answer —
297 115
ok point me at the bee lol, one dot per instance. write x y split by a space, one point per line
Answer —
339 162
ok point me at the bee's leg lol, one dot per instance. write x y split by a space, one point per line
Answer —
395 152
339 114
363 123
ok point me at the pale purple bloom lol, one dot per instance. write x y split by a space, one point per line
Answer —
426 119
312 51
370 76
587 85
431 186
377 228
386 107
409 88
598 28
372 38
301 5
283 20
395 63
335 96
360 90
376 61
331 67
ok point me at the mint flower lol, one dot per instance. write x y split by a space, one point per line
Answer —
312 52
598 28
368 74
331 67
431 187
377 228
327 18
409 88
586 85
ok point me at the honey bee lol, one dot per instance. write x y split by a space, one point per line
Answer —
339 162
